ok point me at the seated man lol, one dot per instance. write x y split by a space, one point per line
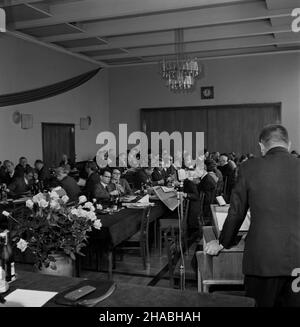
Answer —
159 174
9 172
119 184
68 183
42 172
102 193
143 177
22 167
93 179
21 185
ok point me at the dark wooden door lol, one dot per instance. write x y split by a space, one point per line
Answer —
58 139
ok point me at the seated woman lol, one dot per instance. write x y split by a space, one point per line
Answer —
119 184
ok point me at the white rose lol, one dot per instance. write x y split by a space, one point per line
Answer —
38 197
29 204
5 213
99 207
74 212
54 195
82 212
54 205
82 199
89 205
91 215
57 188
97 224
65 199
43 203
22 245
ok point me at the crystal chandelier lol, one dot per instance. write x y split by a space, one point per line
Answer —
180 74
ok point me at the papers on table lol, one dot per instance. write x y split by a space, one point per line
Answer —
28 298
137 205
167 189
144 199
168 198
221 215
128 198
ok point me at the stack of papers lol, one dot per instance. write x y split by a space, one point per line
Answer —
28 298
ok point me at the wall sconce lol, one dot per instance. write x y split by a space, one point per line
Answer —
85 122
26 121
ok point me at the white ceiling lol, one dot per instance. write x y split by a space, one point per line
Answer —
122 32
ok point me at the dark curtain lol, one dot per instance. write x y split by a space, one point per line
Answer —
46 91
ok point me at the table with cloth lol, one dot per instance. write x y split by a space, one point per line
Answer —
130 295
116 228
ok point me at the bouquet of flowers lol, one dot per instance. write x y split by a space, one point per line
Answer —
52 226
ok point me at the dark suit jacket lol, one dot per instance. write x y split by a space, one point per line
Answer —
7 179
142 177
102 193
125 185
208 186
270 187
158 175
18 186
20 170
43 175
91 184
190 188
228 173
72 189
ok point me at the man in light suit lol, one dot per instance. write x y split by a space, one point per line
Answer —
102 192
270 187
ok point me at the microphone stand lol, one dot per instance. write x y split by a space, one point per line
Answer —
180 219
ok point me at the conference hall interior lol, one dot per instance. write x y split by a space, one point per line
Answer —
77 74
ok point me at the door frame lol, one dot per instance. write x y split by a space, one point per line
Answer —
43 124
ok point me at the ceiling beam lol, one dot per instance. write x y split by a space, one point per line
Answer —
107 9
169 21
190 35
191 48
220 56
54 47
282 4
9 3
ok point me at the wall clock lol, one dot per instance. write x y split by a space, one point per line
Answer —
207 92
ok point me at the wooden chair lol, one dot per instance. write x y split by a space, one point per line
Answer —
224 269
167 225
141 238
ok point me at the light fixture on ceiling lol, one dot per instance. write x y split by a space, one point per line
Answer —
180 74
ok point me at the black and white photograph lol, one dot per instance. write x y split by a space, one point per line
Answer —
150 158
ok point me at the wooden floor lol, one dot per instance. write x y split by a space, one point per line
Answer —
130 270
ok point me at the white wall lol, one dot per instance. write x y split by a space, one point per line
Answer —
25 66
258 79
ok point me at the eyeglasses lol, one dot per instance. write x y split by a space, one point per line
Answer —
106 176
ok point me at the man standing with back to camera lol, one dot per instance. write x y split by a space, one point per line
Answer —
270 187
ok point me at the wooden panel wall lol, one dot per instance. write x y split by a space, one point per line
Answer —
227 128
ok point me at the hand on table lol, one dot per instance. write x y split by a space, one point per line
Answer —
213 247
